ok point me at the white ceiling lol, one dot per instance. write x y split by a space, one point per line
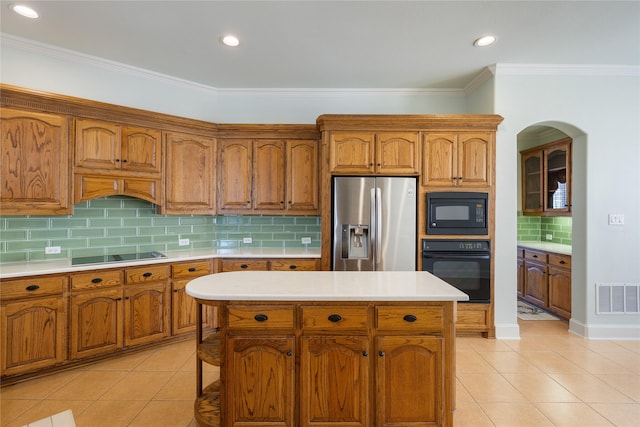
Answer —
335 44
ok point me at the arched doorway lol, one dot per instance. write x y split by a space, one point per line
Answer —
560 229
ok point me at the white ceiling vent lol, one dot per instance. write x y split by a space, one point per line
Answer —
617 298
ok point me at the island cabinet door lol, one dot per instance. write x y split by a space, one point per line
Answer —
334 381
260 389
409 381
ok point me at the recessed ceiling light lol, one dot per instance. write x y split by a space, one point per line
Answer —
484 41
230 41
25 11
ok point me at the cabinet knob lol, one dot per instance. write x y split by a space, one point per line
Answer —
32 288
96 280
244 266
365 353
261 317
410 318
124 160
381 353
147 274
535 256
289 353
334 318
192 269
562 262
293 267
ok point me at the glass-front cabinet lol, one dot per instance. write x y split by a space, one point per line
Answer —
546 179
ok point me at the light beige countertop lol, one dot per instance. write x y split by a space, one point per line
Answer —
21 269
547 247
324 286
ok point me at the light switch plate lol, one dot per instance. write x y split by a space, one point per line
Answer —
52 250
306 240
616 219
549 236
247 240
183 242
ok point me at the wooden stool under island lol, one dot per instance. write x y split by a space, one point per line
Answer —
336 348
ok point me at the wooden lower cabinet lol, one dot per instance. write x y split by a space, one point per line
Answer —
559 280
33 324
546 280
96 322
33 334
331 364
535 278
146 313
334 381
261 391
183 307
409 381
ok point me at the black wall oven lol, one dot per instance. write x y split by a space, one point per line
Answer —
464 264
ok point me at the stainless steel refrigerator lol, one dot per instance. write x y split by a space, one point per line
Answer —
374 224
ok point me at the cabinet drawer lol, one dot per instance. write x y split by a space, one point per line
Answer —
410 318
96 279
243 265
191 269
10 289
535 256
294 265
147 274
260 317
335 318
562 261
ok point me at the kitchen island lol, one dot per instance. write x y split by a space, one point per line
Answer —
328 348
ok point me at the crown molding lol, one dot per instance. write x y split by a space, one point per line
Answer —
338 92
97 62
567 70
485 75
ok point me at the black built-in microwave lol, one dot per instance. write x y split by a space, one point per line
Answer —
457 213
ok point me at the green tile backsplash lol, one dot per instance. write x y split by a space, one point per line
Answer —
120 224
536 228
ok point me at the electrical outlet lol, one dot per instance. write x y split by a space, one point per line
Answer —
306 240
616 219
183 242
52 250
247 240
549 236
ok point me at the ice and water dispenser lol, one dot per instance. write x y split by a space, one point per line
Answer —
355 241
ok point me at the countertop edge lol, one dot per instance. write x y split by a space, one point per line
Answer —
13 270
557 248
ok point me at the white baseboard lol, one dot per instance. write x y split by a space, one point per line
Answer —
507 331
604 332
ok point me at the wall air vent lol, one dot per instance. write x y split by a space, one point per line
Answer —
617 298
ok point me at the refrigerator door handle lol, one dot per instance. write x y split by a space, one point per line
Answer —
373 230
378 226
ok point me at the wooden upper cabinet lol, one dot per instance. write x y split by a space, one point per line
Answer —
458 159
141 150
374 153
98 145
269 175
104 145
115 159
352 152
189 175
546 179
35 163
234 175
302 175
397 153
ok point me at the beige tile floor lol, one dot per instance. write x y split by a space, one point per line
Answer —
547 378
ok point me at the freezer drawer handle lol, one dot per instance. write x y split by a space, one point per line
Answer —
334 318
261 317
410 318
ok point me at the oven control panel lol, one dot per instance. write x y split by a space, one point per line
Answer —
455 245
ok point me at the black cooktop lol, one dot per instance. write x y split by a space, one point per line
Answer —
98 259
